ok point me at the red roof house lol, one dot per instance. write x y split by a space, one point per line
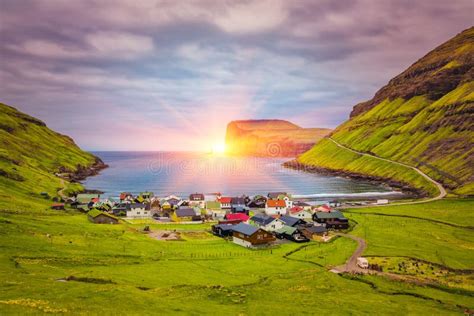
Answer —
237 217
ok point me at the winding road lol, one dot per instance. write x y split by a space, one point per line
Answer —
441 189
351 264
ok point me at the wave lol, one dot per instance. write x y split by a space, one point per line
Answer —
361 194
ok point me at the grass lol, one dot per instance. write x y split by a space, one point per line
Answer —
203 274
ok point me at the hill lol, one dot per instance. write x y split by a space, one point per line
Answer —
270 138
423 117
31 156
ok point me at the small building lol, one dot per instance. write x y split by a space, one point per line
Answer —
242 217
304 205
185 214
126 196
275 207
292 221
99 217
222 230
258 201
333 219
291 233
266 222
323 208
139 210
240 209
311 231
225 202
250 236
300 212
84 198
237 202
196 197
57 206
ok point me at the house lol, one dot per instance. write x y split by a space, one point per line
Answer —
57 206
214 209
311 231
242 217
275 195
236 202
120 210
291 233
333 219
258 201
275 207
126 196
266 222
240 209
292 221
139 210
225 202
222 230
99 217
304 205
324 208
185 214
250 236
84 198
300 212
196 197
147 195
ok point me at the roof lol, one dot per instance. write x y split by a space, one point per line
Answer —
245 229
94 213
276 203
213 205
262 219
137 205
274 195
237 200
225 199
324 208
85 197
237 216
240 208
224 226
123 195
290 221
185 212
332 214
196 197
286 230
57 204
296 209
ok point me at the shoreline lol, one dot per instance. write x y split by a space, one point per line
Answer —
408 191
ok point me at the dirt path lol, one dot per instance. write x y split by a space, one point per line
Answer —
351 264
61 191
441 189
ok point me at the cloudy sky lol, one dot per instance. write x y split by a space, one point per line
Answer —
169 75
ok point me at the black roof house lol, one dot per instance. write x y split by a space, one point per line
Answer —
262 219
292 221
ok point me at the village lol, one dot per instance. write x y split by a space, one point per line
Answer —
252 222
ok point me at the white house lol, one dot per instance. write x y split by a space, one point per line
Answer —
300 212
225 202
266 222
138 210
275 207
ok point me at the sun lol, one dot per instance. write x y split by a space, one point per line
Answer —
218 148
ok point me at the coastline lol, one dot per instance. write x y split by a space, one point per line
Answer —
408 190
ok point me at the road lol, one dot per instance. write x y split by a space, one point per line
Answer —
61 191
441 189
351 264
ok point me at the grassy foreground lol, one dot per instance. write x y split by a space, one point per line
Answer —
60 263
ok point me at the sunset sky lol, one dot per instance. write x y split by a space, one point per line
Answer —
169 75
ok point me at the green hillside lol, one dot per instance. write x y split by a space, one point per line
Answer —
30 155
424 117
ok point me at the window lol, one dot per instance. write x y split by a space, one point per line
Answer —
138 213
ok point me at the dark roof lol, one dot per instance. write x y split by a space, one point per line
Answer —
95 213
196 197
185 211
274 195
225 227
290 221
237 200
332 214
315 229
137 205
245 229
240 208
262 219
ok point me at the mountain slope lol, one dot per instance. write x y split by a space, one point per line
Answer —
273 138
30 156
423 117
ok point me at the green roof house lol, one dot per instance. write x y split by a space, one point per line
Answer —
99 217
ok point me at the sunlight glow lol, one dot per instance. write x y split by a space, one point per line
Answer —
218 148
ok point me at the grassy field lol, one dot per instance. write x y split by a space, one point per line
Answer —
61 263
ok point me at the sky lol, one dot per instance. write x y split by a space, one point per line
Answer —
170 75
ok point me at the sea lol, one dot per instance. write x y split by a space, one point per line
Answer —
183 173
